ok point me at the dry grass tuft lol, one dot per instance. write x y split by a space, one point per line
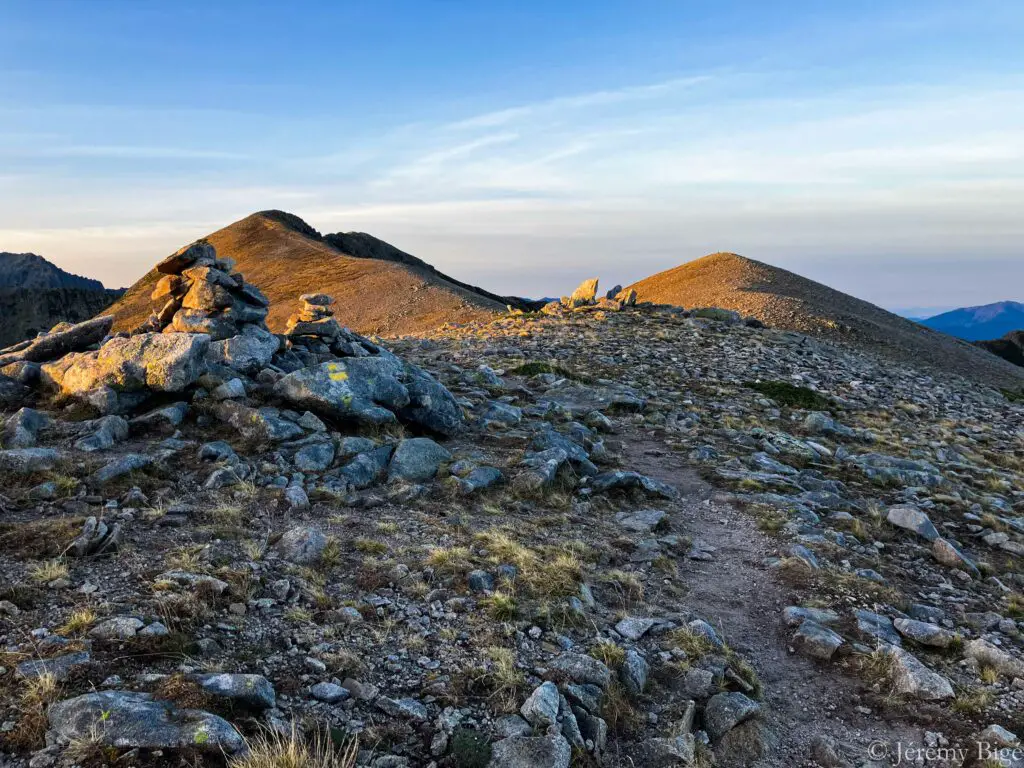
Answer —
271 749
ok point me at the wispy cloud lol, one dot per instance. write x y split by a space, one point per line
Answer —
581 101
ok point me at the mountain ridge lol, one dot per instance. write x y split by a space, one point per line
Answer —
783 299
284 257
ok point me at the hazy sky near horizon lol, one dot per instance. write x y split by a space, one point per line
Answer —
524 146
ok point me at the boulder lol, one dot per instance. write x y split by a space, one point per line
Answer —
25 461
911 677
160 362
416 460
585 293
22 429
541 708
373 390
248 352
531 752
912 519
58 343
302 545
727 710
947 554
986 654
126 720
253 691
179 261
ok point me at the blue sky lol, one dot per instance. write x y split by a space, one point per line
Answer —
525 146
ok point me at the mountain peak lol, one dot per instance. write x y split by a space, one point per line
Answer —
785 300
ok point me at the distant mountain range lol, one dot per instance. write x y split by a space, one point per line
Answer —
990 321
35 295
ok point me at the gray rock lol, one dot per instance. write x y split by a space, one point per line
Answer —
816 641
117 628
60 667
59 343
633 628
26 461
641 521
366 468
913 678
169 416
262 425
110 430
372 390
248 352
503 413
232 389
315 457
408 709
479 479
912 519
135 720
794 616
159 362
22 429
621 480
480 581
218 450
582 669
945 553
329 693
727 710
302 545
416 460
122 465
541 708
511 725
924 633
666 752
877 626
531 752
986 654
253 691
634 672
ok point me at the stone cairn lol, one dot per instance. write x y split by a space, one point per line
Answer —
199 293
314 330
585 298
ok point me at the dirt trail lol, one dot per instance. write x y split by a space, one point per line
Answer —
737 593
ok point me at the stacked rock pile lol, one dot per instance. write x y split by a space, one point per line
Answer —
199 293
585 298
314 325
314 331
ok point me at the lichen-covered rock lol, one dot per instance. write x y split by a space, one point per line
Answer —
416 460
128 720
302 545
247 352
147 362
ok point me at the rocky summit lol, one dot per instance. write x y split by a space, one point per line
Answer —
608 532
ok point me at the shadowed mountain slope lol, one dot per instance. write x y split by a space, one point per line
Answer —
35 295
27 270
782 299
376 294
1010 347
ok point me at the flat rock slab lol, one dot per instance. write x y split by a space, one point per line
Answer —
137 720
